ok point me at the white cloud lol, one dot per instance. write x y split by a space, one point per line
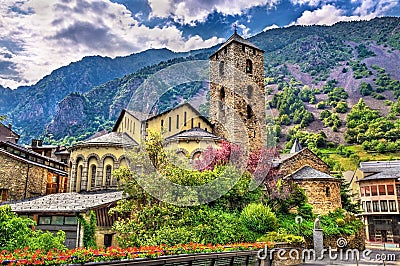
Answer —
374 7
306 2
39 36
274 26
192 11
329 14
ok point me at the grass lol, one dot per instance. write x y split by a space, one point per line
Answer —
350 163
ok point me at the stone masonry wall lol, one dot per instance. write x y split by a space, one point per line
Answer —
13 175
316 192
237 98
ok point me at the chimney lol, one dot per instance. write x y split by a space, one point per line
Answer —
9 126
40 143
34 143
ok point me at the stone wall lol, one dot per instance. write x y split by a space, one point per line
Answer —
13 177
316 191
303 158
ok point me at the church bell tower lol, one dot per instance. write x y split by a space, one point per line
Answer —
237 94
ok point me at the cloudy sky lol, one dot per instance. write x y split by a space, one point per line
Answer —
38 36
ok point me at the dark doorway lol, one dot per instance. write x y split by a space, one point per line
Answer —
108 240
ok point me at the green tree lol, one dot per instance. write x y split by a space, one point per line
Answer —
17 233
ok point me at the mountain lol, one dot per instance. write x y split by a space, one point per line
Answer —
31 108
329 66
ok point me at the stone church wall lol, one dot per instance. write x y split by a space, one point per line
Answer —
303 158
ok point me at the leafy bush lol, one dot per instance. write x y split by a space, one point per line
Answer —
16 233
282 236
258 218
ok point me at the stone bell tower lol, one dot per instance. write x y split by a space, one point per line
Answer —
237 94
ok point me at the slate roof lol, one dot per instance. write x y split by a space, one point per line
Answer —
307 172
392 174
66 202
113 138
379 166
194 133
239 39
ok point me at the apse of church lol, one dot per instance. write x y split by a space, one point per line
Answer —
237 94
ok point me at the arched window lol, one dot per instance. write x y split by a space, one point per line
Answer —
93 177
196 155
249 115
328 191
249 66
221 68
108 175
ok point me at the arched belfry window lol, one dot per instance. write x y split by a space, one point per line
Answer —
249 66
93 177
108 175
221 68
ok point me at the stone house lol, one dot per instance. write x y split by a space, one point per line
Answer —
322 190
7 134
25 174
60 212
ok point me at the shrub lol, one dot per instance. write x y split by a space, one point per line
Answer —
258 218
282 236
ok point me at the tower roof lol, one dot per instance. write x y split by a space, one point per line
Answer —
238 39
296 146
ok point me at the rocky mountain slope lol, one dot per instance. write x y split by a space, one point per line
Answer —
82 98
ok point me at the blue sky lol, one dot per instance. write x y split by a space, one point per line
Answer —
38 36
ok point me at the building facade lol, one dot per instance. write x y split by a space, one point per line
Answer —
7 134
379 195
25 174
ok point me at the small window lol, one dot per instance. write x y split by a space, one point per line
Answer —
367 191
71 220
249 66
362 191
328 191
206 129
368 205
392 206
375 206
4 194
169 124
222 94
93 177
44 220
57 220
192 122
382 190
177 121
390 189
198 125
184 119
108 175
243 47
254 51
249 114
374 191
216 56
225 50
162 123
384 206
